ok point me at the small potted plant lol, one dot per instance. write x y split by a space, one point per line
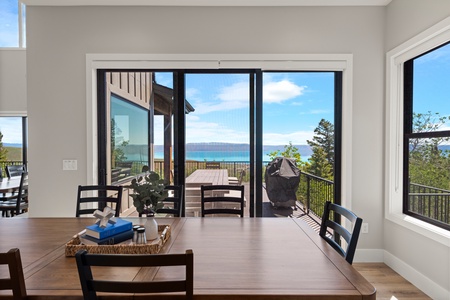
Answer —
148 191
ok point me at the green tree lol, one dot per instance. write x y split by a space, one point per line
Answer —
428 163
319 165
117 154
290 151
324 138
3 150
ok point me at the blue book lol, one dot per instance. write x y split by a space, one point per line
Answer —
110 229
111 240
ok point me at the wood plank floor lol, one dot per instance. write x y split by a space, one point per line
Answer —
389 284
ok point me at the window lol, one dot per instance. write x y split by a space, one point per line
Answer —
129 138
427 137
12 24
13 142
405 78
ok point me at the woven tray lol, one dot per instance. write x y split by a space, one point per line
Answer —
152 247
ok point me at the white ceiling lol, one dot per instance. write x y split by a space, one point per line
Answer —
208 2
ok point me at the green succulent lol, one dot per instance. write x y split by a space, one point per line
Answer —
148 191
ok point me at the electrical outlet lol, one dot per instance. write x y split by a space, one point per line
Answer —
365 228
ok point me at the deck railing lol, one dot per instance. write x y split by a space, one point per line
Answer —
313 192
430 202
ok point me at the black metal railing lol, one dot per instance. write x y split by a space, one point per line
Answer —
313 192
430 202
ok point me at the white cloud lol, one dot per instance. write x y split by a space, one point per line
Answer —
236 96
277 92
297 138
11 128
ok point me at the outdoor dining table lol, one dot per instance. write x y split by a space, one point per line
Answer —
212 176
234 258
8 185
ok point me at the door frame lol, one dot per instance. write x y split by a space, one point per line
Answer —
264 62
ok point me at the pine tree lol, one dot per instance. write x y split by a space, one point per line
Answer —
324 139
3 150
319 165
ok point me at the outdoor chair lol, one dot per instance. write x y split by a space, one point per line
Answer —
212 165
91 286
16 281
97 197
193 198
15 170
17 202
222 199
173 204
237 180
333 232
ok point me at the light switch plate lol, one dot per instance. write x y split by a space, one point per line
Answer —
70 165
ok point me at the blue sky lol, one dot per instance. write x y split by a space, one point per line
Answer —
9 24
294 103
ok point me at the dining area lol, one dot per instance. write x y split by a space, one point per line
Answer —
233 258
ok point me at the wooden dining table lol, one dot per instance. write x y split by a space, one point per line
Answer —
234 258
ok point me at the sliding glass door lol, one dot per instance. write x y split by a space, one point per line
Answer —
175 122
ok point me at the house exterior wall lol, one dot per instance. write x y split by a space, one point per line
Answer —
420 259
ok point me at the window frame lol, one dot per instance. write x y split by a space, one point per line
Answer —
429 39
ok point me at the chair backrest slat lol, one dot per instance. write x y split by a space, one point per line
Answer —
16 282
102 195
219 197
91 286
332 232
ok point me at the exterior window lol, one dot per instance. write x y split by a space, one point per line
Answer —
426 149
13 142
12 24
129 139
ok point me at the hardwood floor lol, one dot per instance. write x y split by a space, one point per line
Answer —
389 284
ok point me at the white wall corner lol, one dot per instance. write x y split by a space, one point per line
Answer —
422 282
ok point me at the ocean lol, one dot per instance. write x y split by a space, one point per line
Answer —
239 156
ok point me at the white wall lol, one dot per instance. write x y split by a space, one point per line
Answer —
13 84
59 38
422 260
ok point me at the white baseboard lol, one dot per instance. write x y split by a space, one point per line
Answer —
422 282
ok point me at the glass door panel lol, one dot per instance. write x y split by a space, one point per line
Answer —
217 134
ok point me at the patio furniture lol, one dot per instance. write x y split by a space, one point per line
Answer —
174 203
97 197
17 202
16 281
237 180
91 286
14 170
212 165
220 199
339 232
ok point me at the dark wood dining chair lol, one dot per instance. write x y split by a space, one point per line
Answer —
15 170
333 232
91 286
222 199
16 281
174 203
102 195
17 203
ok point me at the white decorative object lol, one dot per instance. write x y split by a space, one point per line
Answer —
152 229
104 217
